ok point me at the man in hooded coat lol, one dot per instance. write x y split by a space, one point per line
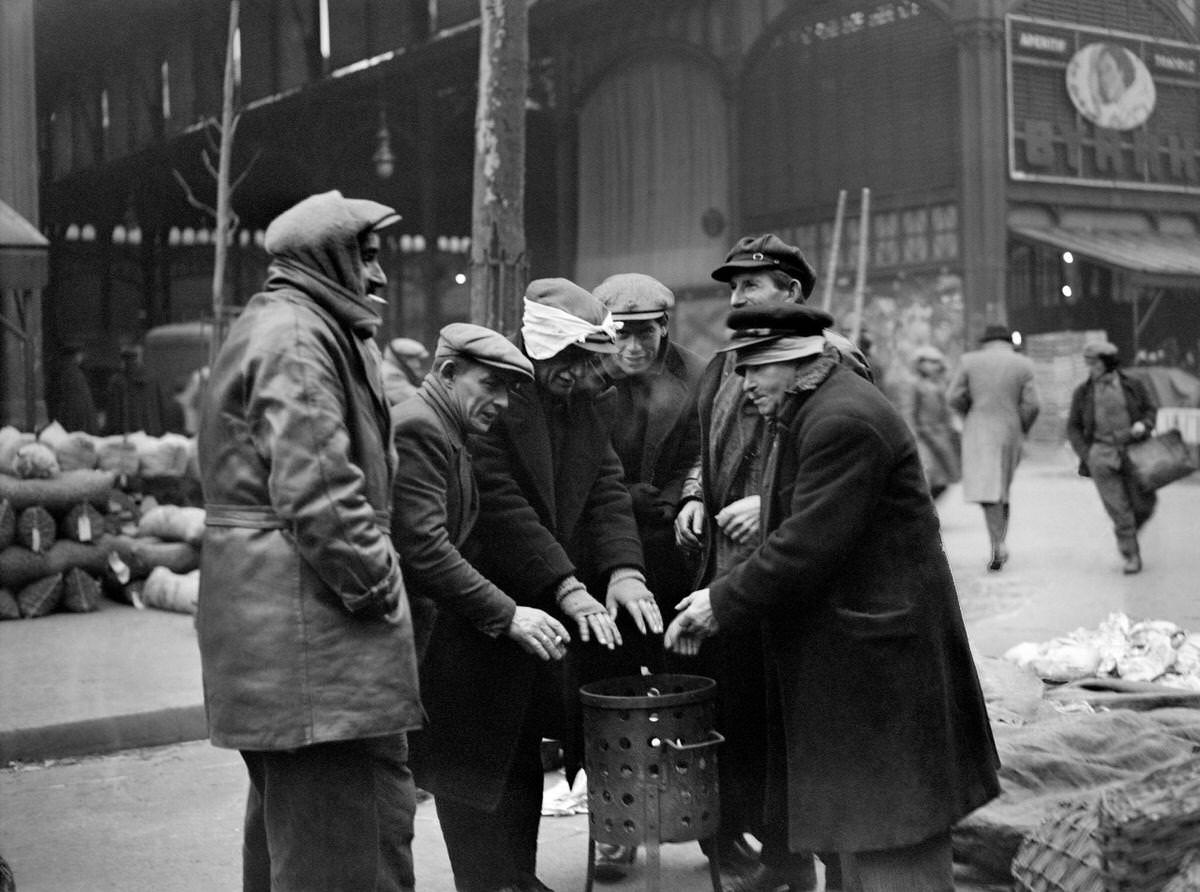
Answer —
306 640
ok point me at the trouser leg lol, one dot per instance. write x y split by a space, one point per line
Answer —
256 862
334 816
1114 495
490 850
927 866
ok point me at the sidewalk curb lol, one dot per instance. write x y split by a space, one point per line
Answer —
90 737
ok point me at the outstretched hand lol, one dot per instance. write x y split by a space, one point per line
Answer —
591 618
631 593
693 623
538 633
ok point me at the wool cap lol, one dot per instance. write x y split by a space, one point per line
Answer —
482 345
996 333
559 313
767 252
632 297
760 325
408 347
1096 349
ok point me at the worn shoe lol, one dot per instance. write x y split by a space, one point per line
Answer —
736 854
1133 564
613 861
763 879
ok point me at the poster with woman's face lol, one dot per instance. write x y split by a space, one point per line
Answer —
1110 86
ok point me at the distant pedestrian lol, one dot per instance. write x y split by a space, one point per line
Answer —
403 368
994 391
68 395
877 740
932 423
1109 411
133 400
306 640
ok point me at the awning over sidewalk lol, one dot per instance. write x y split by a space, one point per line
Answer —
1154 258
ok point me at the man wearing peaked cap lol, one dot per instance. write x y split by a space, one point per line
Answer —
657 437
1109 411
301 594
877 736
719 520
555 525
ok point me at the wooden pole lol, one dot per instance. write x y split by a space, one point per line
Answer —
498 262
834 248
860 281
223 190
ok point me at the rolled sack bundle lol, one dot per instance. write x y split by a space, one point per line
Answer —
165 590
141 554
20 566
161 457
68 489
173 523
11 440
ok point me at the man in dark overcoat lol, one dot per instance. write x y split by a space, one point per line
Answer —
555 525
435 506
719 518
305 635
879 736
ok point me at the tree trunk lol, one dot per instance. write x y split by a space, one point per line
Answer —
221 250
498 262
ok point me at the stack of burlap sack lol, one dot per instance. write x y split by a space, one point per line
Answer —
70 532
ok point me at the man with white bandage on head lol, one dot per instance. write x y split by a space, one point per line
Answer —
555 524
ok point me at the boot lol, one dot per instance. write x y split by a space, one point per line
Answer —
1133 564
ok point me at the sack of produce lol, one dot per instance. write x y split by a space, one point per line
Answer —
61 493
76 452
36 529
81 592
118 455
173 523
9 609
19 566
40 597
143 553
11 440
83 523
165 456
171 591
35 461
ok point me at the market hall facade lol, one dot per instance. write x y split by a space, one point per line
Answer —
653 143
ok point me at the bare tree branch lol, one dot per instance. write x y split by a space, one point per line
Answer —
191 196
250 166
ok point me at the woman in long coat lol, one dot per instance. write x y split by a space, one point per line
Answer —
995 393
929 416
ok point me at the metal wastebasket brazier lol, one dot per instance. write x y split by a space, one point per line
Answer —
651 761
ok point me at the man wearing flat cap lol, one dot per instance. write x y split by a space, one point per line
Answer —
720 517
995 392
1109 411
878 737
555 526
306 641
460 617
657 437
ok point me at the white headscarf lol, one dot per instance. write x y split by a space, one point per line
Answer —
547 330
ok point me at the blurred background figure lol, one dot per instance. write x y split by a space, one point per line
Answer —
1108 412
995 393
134 402
403 368
928 414
68 396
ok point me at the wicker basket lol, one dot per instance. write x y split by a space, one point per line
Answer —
1062 854
1147 828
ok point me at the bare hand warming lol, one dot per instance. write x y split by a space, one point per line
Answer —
627 588
538 633
691 625
591 617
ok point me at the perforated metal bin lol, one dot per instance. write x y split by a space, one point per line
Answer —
651 761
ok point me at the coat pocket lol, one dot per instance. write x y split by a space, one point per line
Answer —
869 626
